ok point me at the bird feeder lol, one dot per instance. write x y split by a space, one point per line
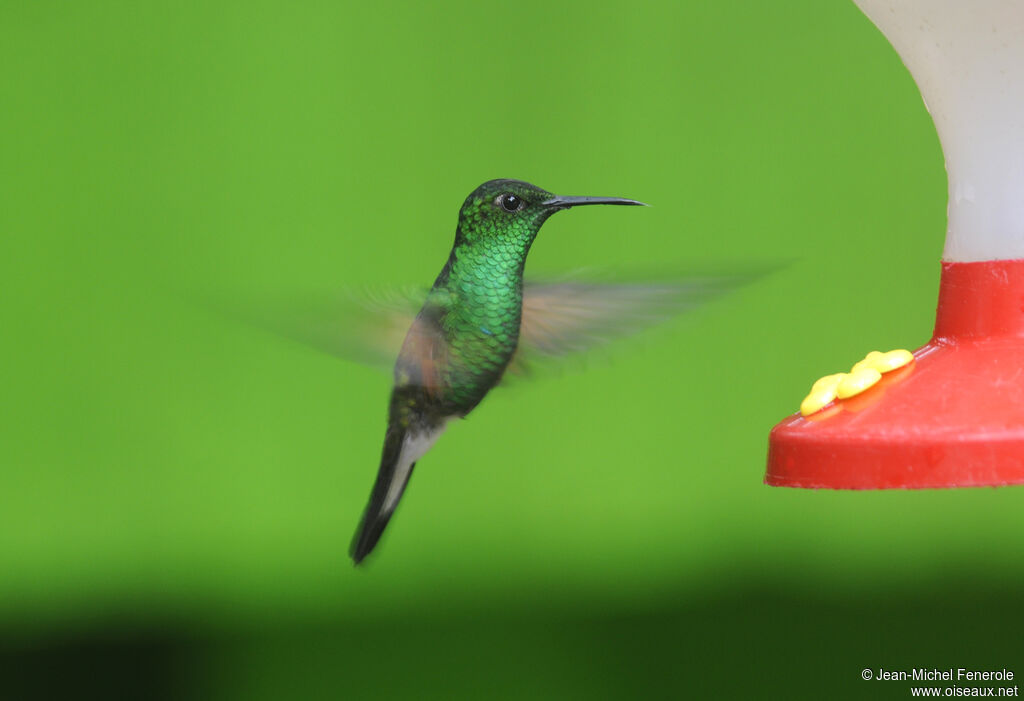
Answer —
954 415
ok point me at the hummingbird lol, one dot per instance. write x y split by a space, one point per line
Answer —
465 335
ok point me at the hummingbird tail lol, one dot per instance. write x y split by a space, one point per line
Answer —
402 448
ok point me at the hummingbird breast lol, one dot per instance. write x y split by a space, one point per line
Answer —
481 320
482 328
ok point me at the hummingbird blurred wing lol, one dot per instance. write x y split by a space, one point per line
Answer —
370 328
560 317
564 317
367 326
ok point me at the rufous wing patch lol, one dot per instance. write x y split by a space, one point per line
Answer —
423 358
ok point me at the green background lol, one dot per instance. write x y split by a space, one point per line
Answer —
178 490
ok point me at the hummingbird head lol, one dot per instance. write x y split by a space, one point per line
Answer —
502 208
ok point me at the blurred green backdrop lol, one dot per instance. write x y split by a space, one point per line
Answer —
178 491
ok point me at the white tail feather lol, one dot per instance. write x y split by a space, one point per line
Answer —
414 447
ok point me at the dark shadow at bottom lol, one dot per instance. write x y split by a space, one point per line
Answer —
754 644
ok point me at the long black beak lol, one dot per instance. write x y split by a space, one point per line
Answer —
558 202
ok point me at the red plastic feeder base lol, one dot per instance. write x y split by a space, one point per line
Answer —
952 418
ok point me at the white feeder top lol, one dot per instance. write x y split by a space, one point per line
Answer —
967 57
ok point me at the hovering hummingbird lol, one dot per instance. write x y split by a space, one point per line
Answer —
464 337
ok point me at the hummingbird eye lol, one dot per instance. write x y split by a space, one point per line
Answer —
509 202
